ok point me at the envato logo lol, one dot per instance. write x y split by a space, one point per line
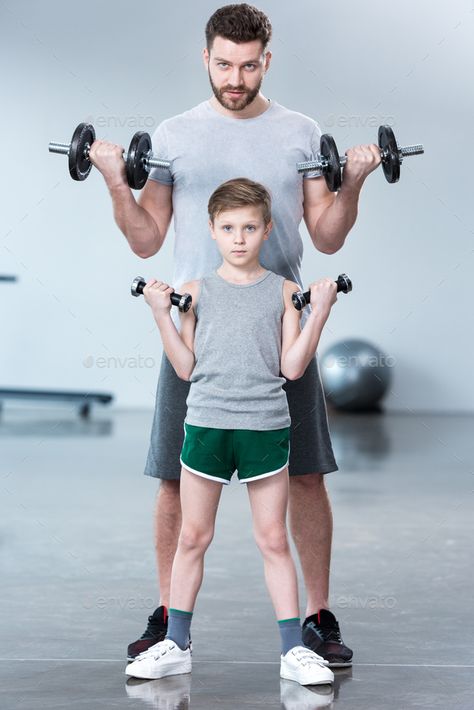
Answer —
119 603
365 360
375 602
118 363
356 121
137 121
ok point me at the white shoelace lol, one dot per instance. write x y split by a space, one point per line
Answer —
307 657
160 649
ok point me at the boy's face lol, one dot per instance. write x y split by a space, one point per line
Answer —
239 67
239 234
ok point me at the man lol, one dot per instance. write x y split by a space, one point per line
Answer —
239 132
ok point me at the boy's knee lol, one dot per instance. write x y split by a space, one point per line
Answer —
193 537
273 541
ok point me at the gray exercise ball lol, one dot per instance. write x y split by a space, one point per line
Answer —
355 375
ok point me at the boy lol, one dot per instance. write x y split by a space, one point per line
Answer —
236 345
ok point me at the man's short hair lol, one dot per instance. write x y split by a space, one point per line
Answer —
239 23
240 192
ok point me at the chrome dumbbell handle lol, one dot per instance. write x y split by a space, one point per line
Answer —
149 160
320 164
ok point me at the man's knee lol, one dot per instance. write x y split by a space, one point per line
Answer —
169 488
168 497
308 483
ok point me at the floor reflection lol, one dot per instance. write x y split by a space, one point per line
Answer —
360 441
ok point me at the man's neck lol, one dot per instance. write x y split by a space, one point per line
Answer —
258 106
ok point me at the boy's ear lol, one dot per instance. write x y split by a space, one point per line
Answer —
211 227
268 229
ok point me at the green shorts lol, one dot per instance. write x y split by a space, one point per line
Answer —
217 453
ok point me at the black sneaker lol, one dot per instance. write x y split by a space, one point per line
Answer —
154 632
321 634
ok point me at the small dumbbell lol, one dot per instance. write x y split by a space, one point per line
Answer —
329 163
138 160
183 302
300 299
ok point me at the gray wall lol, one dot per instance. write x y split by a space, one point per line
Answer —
70 323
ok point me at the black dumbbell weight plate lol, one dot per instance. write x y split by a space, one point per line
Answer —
79 163
332 173
137 174
391 162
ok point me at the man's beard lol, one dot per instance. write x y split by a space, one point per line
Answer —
234 104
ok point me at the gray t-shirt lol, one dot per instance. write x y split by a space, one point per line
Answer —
206 149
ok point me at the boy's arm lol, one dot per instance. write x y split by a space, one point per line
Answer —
179 346
299 346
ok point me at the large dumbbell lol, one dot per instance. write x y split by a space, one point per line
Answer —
184 302
300 299
329 163
138 160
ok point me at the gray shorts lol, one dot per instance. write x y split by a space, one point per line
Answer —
311 449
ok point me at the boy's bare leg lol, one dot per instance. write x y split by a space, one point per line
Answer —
310 522
268 501
199 503
167 527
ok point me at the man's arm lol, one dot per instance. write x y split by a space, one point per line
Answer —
330 216
144 224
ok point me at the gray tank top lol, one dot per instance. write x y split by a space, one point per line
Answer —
236 381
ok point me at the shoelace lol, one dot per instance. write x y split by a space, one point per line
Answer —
307 657
331 633
327 632
154 627
156 651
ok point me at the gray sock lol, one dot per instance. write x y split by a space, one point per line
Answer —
290 633
179 624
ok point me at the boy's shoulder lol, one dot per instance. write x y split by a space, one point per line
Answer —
194 284
289 288
193 288
291 285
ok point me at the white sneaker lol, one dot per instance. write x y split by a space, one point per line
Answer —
163 659
305 667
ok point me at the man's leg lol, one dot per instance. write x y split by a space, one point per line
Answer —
310 519
167 528
310 522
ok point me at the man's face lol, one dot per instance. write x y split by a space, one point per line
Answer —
239 233
236 71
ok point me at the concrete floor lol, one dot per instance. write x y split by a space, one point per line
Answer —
78 571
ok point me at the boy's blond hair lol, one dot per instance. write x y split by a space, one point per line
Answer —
240 192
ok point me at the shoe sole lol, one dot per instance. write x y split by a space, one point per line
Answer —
342 664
